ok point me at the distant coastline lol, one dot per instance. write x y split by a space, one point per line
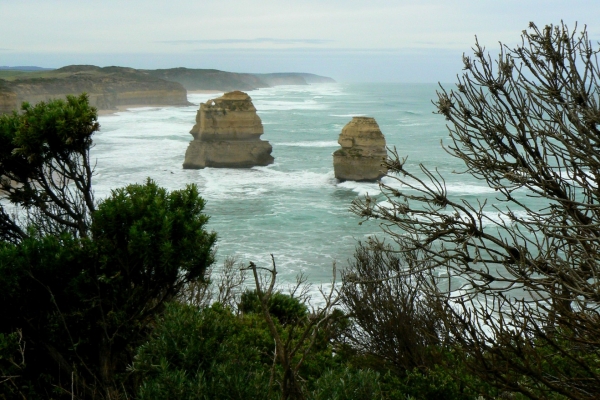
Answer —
112 89
26 68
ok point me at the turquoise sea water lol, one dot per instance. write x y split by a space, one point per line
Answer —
295 208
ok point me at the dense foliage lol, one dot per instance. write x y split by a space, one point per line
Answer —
210 352
82 283
283 307
45 170
520 294
205 354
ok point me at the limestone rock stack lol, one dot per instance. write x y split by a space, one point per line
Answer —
363 151
227 135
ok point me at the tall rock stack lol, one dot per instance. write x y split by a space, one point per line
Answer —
227 135
363 151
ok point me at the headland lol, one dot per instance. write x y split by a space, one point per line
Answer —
112 89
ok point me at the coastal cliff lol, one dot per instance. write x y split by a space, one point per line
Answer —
209 79
107 87
8 99
212 79
363 151
111 87
227 135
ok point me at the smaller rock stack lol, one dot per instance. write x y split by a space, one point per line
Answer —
363 151
227 135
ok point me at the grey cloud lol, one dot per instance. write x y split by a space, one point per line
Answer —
250 41
331 50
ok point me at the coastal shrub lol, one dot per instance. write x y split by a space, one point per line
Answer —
45 168
218 352
208 353
443 382
83 305
12 366
81 282
574 357
516 273
393 322
284 307
347 384
297 343
43 284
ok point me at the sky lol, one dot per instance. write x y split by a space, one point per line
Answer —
348 40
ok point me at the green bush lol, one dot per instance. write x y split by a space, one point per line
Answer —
285 308
449 380
347 384
205 354
214 353
82 281
84 304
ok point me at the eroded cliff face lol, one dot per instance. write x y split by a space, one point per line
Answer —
105 95
227 135
363 151
107 88
8 102
111 87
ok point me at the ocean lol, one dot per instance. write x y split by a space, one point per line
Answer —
294 209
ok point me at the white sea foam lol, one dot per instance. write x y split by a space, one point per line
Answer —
361 188
221 183
453 188
348 115
330 143
324 90
413 124
490 217
280 105
294 208
460 188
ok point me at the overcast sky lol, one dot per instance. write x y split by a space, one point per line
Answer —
352 41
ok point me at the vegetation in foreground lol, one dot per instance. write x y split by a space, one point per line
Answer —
115 299
519 290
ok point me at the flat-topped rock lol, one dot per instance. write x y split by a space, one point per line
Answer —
227 135
363 151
